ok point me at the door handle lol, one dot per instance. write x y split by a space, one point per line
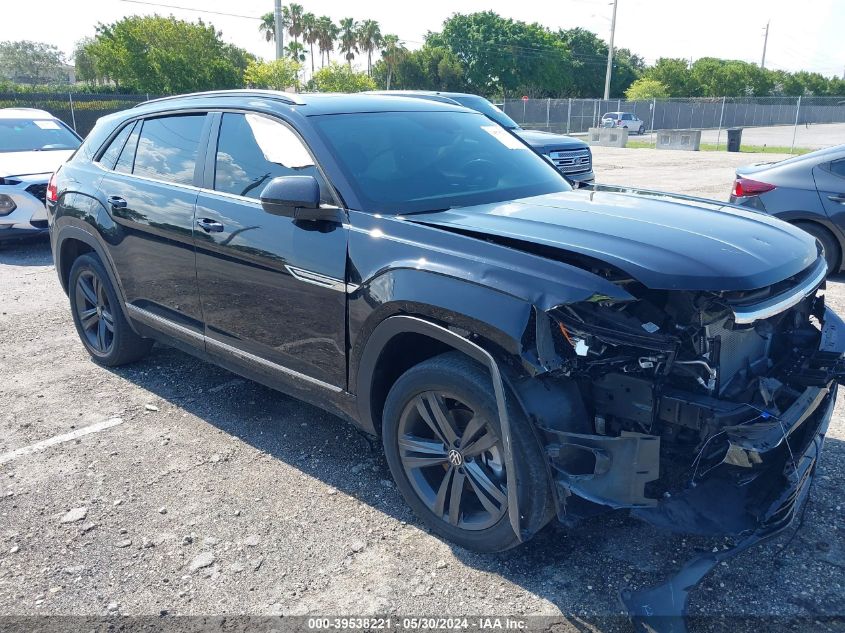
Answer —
210 226
116 202
840 198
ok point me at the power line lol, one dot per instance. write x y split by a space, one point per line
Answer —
173 6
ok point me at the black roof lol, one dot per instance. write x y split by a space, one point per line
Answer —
306 104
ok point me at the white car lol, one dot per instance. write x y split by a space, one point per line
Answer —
33 143
623 119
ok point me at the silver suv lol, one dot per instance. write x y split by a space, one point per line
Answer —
33 143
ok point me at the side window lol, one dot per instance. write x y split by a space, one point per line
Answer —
127 156
109 157
627 117
168 147
253 149
837 168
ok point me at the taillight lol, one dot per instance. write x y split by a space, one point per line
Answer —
52 190
744 187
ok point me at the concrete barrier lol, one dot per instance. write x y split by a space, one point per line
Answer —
608 136
689 140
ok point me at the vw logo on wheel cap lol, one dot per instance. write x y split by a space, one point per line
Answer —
455 458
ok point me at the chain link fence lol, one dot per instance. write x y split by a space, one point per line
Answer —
79 110
573 116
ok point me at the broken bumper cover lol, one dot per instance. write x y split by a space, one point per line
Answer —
757 484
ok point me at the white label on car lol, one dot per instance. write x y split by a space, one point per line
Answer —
47 125
503 136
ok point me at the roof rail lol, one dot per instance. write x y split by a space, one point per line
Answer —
266 94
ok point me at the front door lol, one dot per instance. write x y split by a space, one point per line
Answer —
150 191
272 288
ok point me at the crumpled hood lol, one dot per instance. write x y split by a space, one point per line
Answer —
662 241
25 163
549 142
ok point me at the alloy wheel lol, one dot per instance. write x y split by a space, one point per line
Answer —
95 312
454 460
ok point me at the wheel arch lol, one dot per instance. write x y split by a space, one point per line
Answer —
73 241
823 222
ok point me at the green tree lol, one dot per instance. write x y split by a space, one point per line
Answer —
83 61
339 78
369 39
644 89
392 53
428 68
500 55
30 62
166 55
348 39
279 74
674 74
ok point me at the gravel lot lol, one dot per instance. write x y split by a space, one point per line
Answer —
215 495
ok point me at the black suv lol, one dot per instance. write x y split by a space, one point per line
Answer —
524 349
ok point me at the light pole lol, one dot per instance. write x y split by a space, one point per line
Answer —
610 53
765 43
280 30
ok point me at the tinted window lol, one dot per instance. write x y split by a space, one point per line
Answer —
168 147
627 117
485 107
400 162
838 167
25 135
127 156
109 157
253 149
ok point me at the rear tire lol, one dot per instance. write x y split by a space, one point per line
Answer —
832 252
456 488
98 316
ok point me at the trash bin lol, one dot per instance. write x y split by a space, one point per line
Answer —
734 138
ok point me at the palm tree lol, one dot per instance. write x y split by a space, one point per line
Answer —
295 51
391 52
268 25
295 11
349 39
328 32
310 34
369 38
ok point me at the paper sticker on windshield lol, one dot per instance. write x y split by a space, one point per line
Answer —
503 136
47 125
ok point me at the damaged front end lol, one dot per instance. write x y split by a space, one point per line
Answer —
704 412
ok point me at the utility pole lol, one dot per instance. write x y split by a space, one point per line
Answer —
765 42
280 30
610 53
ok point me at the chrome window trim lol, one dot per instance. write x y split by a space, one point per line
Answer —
775 305
154 319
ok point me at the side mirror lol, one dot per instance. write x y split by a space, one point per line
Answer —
296 197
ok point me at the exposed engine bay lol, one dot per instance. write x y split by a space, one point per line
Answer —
679 388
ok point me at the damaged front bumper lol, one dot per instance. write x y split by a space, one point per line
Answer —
764 467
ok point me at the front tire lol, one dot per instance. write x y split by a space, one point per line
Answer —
641 131
443 446
98 317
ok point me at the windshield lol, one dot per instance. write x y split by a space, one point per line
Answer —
480 104
407 162
26 135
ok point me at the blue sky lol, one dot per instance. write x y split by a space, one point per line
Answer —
806 35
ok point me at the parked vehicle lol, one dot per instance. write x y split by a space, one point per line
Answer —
571 156
627 120
524 350
33 143
807 191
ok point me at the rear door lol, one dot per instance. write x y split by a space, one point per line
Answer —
830 183
273 288
151 193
